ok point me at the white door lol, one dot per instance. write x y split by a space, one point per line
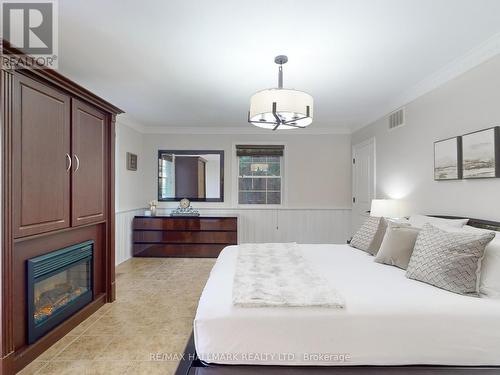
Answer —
363 181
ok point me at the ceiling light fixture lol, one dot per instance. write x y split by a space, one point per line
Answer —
281 108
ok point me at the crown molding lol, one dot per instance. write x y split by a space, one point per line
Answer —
127 121
476 56
246 129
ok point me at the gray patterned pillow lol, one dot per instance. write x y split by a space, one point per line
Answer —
369 237
448 260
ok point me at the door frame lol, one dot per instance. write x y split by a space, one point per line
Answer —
371 140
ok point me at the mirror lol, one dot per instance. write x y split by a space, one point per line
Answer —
197 175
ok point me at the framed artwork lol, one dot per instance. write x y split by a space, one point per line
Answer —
481 153
448 159
131 161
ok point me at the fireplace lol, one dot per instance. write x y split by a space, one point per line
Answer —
59 284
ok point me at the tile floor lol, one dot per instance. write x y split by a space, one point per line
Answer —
153 313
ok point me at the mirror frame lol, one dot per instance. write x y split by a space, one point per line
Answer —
193 152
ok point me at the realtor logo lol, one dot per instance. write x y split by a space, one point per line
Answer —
31 27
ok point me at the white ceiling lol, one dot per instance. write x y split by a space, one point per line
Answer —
187 63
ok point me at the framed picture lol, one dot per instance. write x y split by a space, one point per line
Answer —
131 161
481 153
448 159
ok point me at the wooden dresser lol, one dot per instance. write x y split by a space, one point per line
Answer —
170 236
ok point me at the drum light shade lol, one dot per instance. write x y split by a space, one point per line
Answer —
293 107
389 208
280 108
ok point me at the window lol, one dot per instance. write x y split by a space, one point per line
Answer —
260 174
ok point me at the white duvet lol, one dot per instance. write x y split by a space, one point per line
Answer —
388 320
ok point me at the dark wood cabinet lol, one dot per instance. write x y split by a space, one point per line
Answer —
41 157
57 191
51 149
89 164
167 236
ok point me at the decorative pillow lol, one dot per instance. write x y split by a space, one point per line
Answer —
369 237
419 221
448 260
397 245
489 284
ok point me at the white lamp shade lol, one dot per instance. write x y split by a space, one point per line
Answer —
390 208
290 105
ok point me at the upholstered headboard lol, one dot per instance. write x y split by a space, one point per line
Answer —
478 223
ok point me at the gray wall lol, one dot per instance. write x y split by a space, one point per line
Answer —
129 184
404 166
317 173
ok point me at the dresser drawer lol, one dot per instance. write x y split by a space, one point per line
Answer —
173 223
184 237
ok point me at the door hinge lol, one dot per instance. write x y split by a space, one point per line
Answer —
353 199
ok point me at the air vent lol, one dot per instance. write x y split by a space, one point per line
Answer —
397 119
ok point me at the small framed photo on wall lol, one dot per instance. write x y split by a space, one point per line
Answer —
481 153
131 161
448 159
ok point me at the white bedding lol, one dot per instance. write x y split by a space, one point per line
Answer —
276 274
388 320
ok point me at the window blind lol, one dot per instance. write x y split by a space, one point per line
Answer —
259 150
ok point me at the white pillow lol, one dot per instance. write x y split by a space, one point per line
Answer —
419 221
489 284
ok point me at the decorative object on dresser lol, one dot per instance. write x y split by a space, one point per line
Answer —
171 236
152 208
58 191
185 209
448 159
481 153
131 161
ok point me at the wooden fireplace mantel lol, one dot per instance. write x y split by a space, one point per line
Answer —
74 205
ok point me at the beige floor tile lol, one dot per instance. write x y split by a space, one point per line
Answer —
33 367
79 329
152 368
84 348
64 368
85 367
58 347
122 348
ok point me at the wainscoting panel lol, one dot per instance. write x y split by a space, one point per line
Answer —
259 225
123 234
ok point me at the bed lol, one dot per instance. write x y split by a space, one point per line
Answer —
388 320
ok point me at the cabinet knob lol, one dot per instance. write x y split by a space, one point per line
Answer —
69 162
77 162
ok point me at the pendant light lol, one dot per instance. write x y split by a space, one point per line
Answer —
280 108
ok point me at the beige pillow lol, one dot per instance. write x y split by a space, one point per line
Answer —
369 237
397 245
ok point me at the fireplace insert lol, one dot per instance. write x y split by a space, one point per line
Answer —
59 284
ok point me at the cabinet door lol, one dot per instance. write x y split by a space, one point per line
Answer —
89 164
41 162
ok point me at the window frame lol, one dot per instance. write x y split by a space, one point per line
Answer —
236 173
